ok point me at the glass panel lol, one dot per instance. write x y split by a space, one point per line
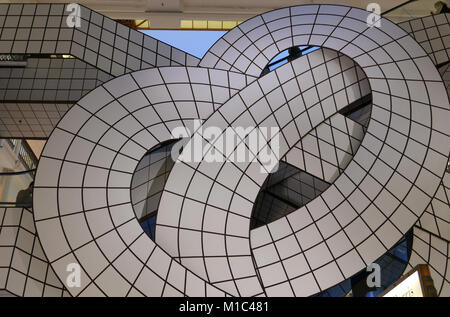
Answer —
284 191
149 226
392 265
287 56
148 183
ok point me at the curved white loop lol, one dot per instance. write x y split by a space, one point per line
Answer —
82 205
382 192
82 189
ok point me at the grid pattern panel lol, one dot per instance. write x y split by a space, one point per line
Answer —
278 198
300 95
430 249
50 79
110 47
61 81
445 73
24 268
388 145
432 231
300 188
433 34
397 169
269 207
328 149
337 134
99 41
30 120
103 135
436 218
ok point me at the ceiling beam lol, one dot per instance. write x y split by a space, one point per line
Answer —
166 14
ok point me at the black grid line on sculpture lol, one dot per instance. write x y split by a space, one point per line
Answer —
27 271
433 34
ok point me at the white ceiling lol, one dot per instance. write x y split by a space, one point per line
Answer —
168 13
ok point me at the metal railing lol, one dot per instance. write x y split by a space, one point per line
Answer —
24 152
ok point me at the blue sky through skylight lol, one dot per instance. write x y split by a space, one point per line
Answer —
194 42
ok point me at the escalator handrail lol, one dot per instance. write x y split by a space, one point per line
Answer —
17 173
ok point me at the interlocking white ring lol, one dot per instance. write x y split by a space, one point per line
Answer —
82 205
